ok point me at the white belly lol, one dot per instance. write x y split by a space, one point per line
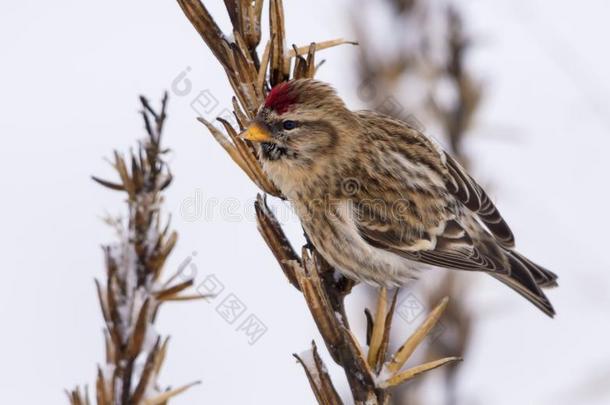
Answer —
352 255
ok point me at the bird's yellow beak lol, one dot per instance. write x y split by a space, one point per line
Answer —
256 133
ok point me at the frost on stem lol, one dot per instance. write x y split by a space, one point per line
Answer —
133 291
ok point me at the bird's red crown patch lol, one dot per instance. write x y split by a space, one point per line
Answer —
281 98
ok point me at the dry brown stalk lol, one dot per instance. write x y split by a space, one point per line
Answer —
421 68
134 290
324 289
457 118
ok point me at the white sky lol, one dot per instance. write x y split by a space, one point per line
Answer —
69 79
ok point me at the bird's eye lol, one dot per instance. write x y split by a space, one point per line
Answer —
289 124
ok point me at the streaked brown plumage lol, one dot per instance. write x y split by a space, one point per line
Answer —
379 199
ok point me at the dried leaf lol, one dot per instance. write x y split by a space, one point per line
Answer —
108 184
405 351
139 331
146 375
101 392
165 396
174 290
262 70
378 328
414 371
302 50
318 377
278 71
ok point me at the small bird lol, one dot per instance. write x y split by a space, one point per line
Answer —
380 200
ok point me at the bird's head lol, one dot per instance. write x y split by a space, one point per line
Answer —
299 122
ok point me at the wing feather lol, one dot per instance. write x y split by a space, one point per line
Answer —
469 193
451 248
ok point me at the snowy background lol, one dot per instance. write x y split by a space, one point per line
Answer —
69 78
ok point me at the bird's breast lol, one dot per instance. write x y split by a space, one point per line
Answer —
332 230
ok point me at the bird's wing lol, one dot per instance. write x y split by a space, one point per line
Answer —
472 195
460 244
437 225
447 220
418 148
449 246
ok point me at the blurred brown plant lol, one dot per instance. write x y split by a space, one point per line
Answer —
370 375
134 291
417 64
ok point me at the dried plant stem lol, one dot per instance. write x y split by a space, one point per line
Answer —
133 293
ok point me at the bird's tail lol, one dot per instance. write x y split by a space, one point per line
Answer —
544 278
527 278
